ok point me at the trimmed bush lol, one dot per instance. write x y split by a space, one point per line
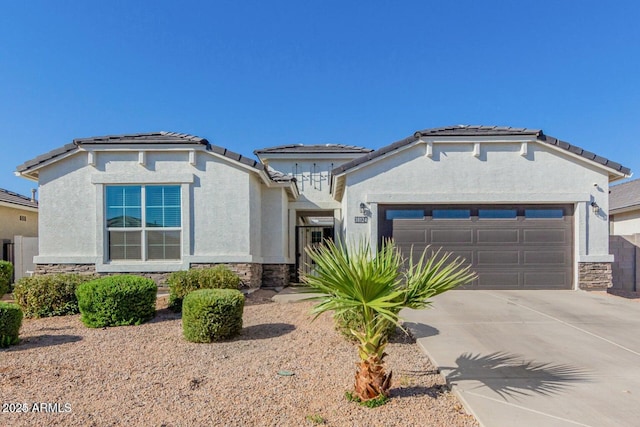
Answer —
10 322
117 301
6 272
212 314
49 295
183 282
349 320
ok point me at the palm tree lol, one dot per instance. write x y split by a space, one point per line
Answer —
378 286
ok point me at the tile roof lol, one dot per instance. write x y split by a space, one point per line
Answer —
468 130
624 195
137 139
318 148
7 196
278 176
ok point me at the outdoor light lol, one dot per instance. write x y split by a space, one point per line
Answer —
363 208
595 207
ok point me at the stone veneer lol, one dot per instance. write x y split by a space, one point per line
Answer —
275 275
594 276
250 273
42 269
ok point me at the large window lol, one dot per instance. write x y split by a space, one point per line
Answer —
143 222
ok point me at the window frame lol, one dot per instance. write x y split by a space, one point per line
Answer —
143 229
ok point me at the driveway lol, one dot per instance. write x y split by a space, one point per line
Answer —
536 358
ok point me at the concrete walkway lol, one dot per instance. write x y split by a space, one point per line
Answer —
536 358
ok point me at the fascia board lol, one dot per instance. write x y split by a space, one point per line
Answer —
19 207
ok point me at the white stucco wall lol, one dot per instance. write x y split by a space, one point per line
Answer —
312 177
625 223
67 212
275 249
221 215
500 174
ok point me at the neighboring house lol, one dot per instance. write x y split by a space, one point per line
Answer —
18 217
526 210
624 222
624 208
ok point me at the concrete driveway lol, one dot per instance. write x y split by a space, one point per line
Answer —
536 358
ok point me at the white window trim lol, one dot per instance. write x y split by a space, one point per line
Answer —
102 262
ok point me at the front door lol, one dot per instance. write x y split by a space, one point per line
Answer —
306 235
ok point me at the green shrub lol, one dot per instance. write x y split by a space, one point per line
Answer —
116 301
49 295
348 320
10 322
6 273
212 314
183 282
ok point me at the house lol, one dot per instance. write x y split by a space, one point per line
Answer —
18 231
624 208
18 217
624 222
527 210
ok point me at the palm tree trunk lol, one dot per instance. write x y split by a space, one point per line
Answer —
371 378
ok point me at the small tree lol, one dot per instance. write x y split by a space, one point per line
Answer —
378 286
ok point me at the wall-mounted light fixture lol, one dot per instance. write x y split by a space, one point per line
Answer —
595 207
363 208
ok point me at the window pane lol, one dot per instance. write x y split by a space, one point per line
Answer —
497 213
405 214
451 214
123 206
543 213
154 217
125 245
163 244
163 206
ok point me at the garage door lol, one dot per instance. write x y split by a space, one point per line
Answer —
510 247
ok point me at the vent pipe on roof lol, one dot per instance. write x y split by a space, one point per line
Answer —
33 194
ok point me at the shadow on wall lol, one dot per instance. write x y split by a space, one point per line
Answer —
510 375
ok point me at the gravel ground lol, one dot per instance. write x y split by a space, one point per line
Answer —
148 375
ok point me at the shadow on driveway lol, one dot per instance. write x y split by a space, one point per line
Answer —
510 375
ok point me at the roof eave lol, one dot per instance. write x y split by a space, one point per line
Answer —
625 209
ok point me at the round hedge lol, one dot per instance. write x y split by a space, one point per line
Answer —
49 295
212 314
10 322
182 283
117 301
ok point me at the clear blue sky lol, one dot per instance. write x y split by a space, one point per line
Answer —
250 74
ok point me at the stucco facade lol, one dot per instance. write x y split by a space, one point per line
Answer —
257 216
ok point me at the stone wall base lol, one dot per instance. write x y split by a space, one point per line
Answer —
594 276
275 275
42 269
251 275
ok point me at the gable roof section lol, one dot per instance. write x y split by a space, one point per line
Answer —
12 198
312 149
624 196
152 138
479 131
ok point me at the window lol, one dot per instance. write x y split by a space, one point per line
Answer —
405 214
451 214
143 222
543 213
497 213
